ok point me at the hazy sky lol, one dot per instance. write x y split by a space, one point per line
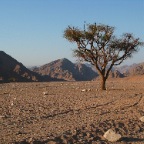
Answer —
31 31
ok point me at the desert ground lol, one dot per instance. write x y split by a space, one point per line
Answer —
71 112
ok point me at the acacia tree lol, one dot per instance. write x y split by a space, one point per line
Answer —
98 45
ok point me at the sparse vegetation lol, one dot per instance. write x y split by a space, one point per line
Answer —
98 45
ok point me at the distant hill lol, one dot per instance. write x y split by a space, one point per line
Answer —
13 71
65 69
114 73
124 71
132 70
59 70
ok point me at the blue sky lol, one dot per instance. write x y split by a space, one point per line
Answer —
31 31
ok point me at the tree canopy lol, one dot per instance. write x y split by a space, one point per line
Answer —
98 45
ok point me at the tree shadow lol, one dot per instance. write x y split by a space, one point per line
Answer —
59 141
34 142
131 139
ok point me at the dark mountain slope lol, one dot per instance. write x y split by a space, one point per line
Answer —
12 70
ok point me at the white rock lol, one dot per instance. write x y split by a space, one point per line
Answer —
142 118
84 90
111 136
12 103
45 93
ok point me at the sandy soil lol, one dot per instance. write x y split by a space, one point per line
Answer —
71 112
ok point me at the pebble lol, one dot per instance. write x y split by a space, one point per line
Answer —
83 90
45 93
142 118
30 140
12 103
111 136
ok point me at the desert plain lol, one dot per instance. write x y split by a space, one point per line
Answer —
72 112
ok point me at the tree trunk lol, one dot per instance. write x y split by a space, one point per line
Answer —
103 83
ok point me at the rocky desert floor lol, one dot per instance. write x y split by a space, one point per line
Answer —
71 112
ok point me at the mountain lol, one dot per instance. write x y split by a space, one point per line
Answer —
116 74
58 70
132 70
65 69
124 71
12 70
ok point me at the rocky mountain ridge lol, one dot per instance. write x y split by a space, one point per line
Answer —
13 71
132 70
65 69
125 70
59 70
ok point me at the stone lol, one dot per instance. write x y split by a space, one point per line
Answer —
83 90
12 103
45 93
111 136
30 140
89 89
142 118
